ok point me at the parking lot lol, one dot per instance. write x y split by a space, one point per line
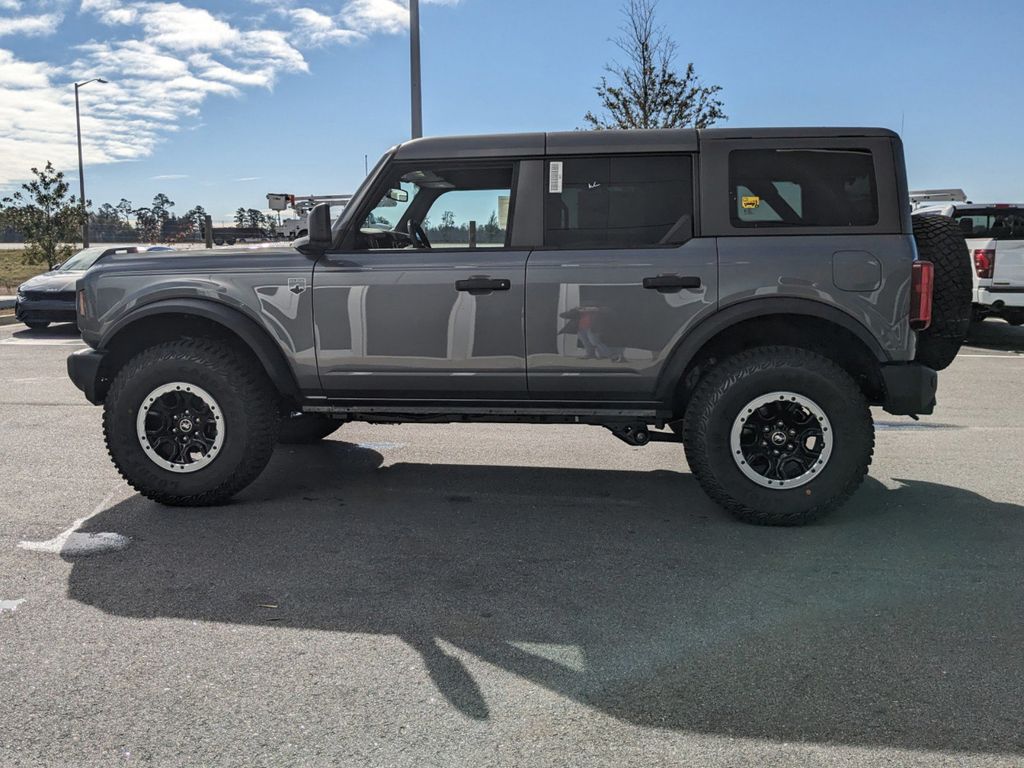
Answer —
511 595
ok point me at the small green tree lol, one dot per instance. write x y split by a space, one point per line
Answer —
147 224
48 218
240 217
648 91
254 218
126 211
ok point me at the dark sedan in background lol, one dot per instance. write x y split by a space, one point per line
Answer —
50 297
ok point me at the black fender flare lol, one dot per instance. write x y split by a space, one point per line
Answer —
749 309
252 334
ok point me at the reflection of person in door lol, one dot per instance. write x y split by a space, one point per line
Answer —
586 323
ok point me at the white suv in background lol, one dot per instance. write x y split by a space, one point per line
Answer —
995 239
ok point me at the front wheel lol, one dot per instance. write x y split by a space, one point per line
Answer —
778 435
37 325
191 422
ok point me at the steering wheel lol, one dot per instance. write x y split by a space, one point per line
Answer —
419 237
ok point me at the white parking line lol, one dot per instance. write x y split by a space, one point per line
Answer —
70 542
43 342
1008 355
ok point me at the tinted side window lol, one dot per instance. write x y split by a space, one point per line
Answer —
802 188
618 202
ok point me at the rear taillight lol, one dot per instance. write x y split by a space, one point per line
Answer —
984 262
922 285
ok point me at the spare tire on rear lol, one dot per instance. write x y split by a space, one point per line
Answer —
940 241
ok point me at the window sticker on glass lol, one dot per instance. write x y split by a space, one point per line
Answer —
555 178
750 202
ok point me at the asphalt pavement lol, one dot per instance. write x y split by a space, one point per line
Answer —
478 595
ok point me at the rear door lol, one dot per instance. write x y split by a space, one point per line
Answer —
620 277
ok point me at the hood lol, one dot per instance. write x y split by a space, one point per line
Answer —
200 260
52 281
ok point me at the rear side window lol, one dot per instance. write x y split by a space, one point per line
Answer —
802 188
1004 223
618 202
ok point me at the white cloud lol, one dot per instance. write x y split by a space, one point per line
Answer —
318 29
162 61
389 16
32 26
169 176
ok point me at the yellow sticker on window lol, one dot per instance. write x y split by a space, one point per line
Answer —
749 202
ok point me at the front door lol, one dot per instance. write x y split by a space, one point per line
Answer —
620 279
426 299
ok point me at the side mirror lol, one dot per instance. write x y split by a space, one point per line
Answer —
320 237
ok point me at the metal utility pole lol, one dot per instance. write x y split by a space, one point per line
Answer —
414 68
81 168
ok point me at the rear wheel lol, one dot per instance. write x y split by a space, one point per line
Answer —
940 241
306 428
36 325
778 435
190 423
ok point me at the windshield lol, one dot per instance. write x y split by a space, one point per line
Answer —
1003 223
348 210
82 260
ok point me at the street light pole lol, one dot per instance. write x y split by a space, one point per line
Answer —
414 68
81 167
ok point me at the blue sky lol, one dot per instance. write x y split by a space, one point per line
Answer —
218 103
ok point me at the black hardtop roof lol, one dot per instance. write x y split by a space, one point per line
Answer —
599 142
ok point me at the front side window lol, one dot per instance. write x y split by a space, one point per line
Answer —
449 206
802 188
618 202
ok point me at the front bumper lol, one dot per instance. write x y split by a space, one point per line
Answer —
33 310
85 371
909 389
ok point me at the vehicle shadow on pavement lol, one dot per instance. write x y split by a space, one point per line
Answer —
996 335
55 331
895 622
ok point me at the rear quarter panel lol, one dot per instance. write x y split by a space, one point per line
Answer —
807 267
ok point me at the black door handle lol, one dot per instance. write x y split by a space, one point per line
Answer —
671 283
480 285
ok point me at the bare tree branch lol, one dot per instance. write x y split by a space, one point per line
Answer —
647 91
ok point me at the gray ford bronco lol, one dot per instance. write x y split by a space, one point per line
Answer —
747 293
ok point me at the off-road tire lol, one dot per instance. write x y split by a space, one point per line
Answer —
940 241
248 405
37 325
737 380
306 428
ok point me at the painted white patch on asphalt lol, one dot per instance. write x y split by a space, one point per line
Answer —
74 543
10 605
381 446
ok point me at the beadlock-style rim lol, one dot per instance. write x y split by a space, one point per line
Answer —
781 440
180 427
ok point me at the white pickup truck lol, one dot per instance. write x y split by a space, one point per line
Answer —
995 239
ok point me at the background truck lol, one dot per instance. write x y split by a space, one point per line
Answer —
995 240
293 227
